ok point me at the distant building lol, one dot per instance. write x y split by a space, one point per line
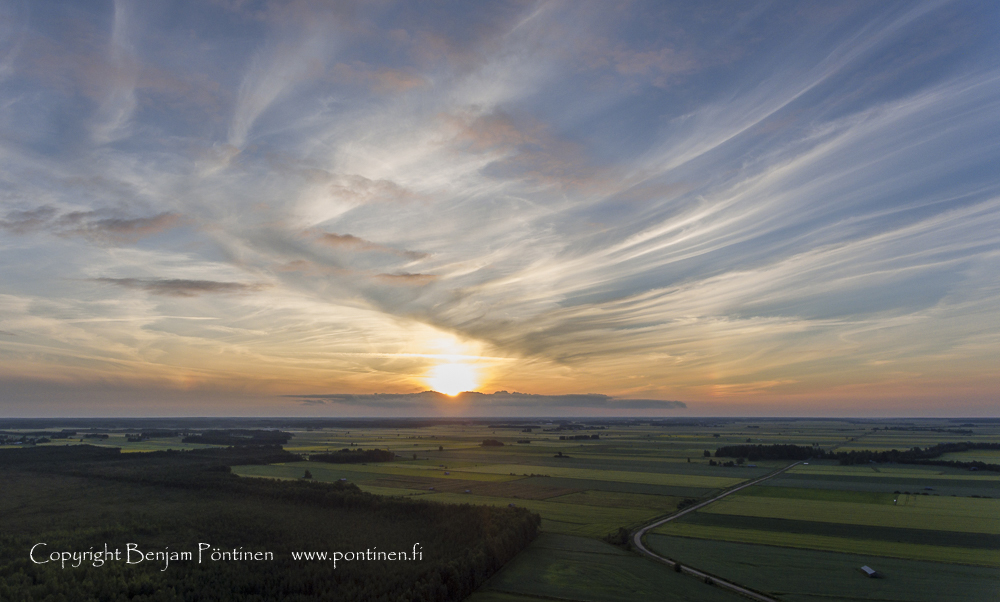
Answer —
869 571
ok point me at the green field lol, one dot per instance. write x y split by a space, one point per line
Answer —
855 544
620 500
969 515
573 568
801 575
818 522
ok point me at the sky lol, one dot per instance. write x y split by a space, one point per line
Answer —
299 208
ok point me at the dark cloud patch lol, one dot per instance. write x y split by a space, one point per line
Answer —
354 243
312 402
499 399
181 288
100 225
22 222
7 334
407 279
116 229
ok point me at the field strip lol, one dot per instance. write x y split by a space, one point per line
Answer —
637 540
868 547
647 478
969 515
932 472
403 471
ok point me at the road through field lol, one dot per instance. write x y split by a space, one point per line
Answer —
637 540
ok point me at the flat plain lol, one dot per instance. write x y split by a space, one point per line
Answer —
801 535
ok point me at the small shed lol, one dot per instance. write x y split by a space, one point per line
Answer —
869 571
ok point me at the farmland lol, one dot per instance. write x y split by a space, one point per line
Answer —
574 568
821 519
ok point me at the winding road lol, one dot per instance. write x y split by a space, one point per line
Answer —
637 540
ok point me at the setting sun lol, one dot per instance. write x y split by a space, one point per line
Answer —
452 379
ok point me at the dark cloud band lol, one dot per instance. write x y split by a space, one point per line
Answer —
500 399
181 288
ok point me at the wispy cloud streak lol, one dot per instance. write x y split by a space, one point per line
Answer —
781 207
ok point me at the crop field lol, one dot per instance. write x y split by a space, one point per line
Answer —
989 456
945 486
821 520
622 476
954 539
573 568
854 542
608 499
889 472
804 575
969 515
571 519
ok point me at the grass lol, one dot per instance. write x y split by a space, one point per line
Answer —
621 500
869 547
578 569
514 488
801 575
820 521
621 476
890 472
980 455
829 495
618 487
969 515
887 485
574 519
951 539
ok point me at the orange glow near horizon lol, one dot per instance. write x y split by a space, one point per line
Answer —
452 379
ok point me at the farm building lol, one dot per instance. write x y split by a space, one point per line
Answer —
869 571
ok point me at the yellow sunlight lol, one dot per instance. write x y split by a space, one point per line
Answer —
452 379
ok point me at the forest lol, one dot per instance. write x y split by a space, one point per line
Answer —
81 498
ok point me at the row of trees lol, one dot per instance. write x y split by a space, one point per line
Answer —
240 437
914 455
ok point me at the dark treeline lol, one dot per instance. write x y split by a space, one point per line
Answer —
768 452
150 434
915 455
355 456
63 434
925 429
75 498
240 437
